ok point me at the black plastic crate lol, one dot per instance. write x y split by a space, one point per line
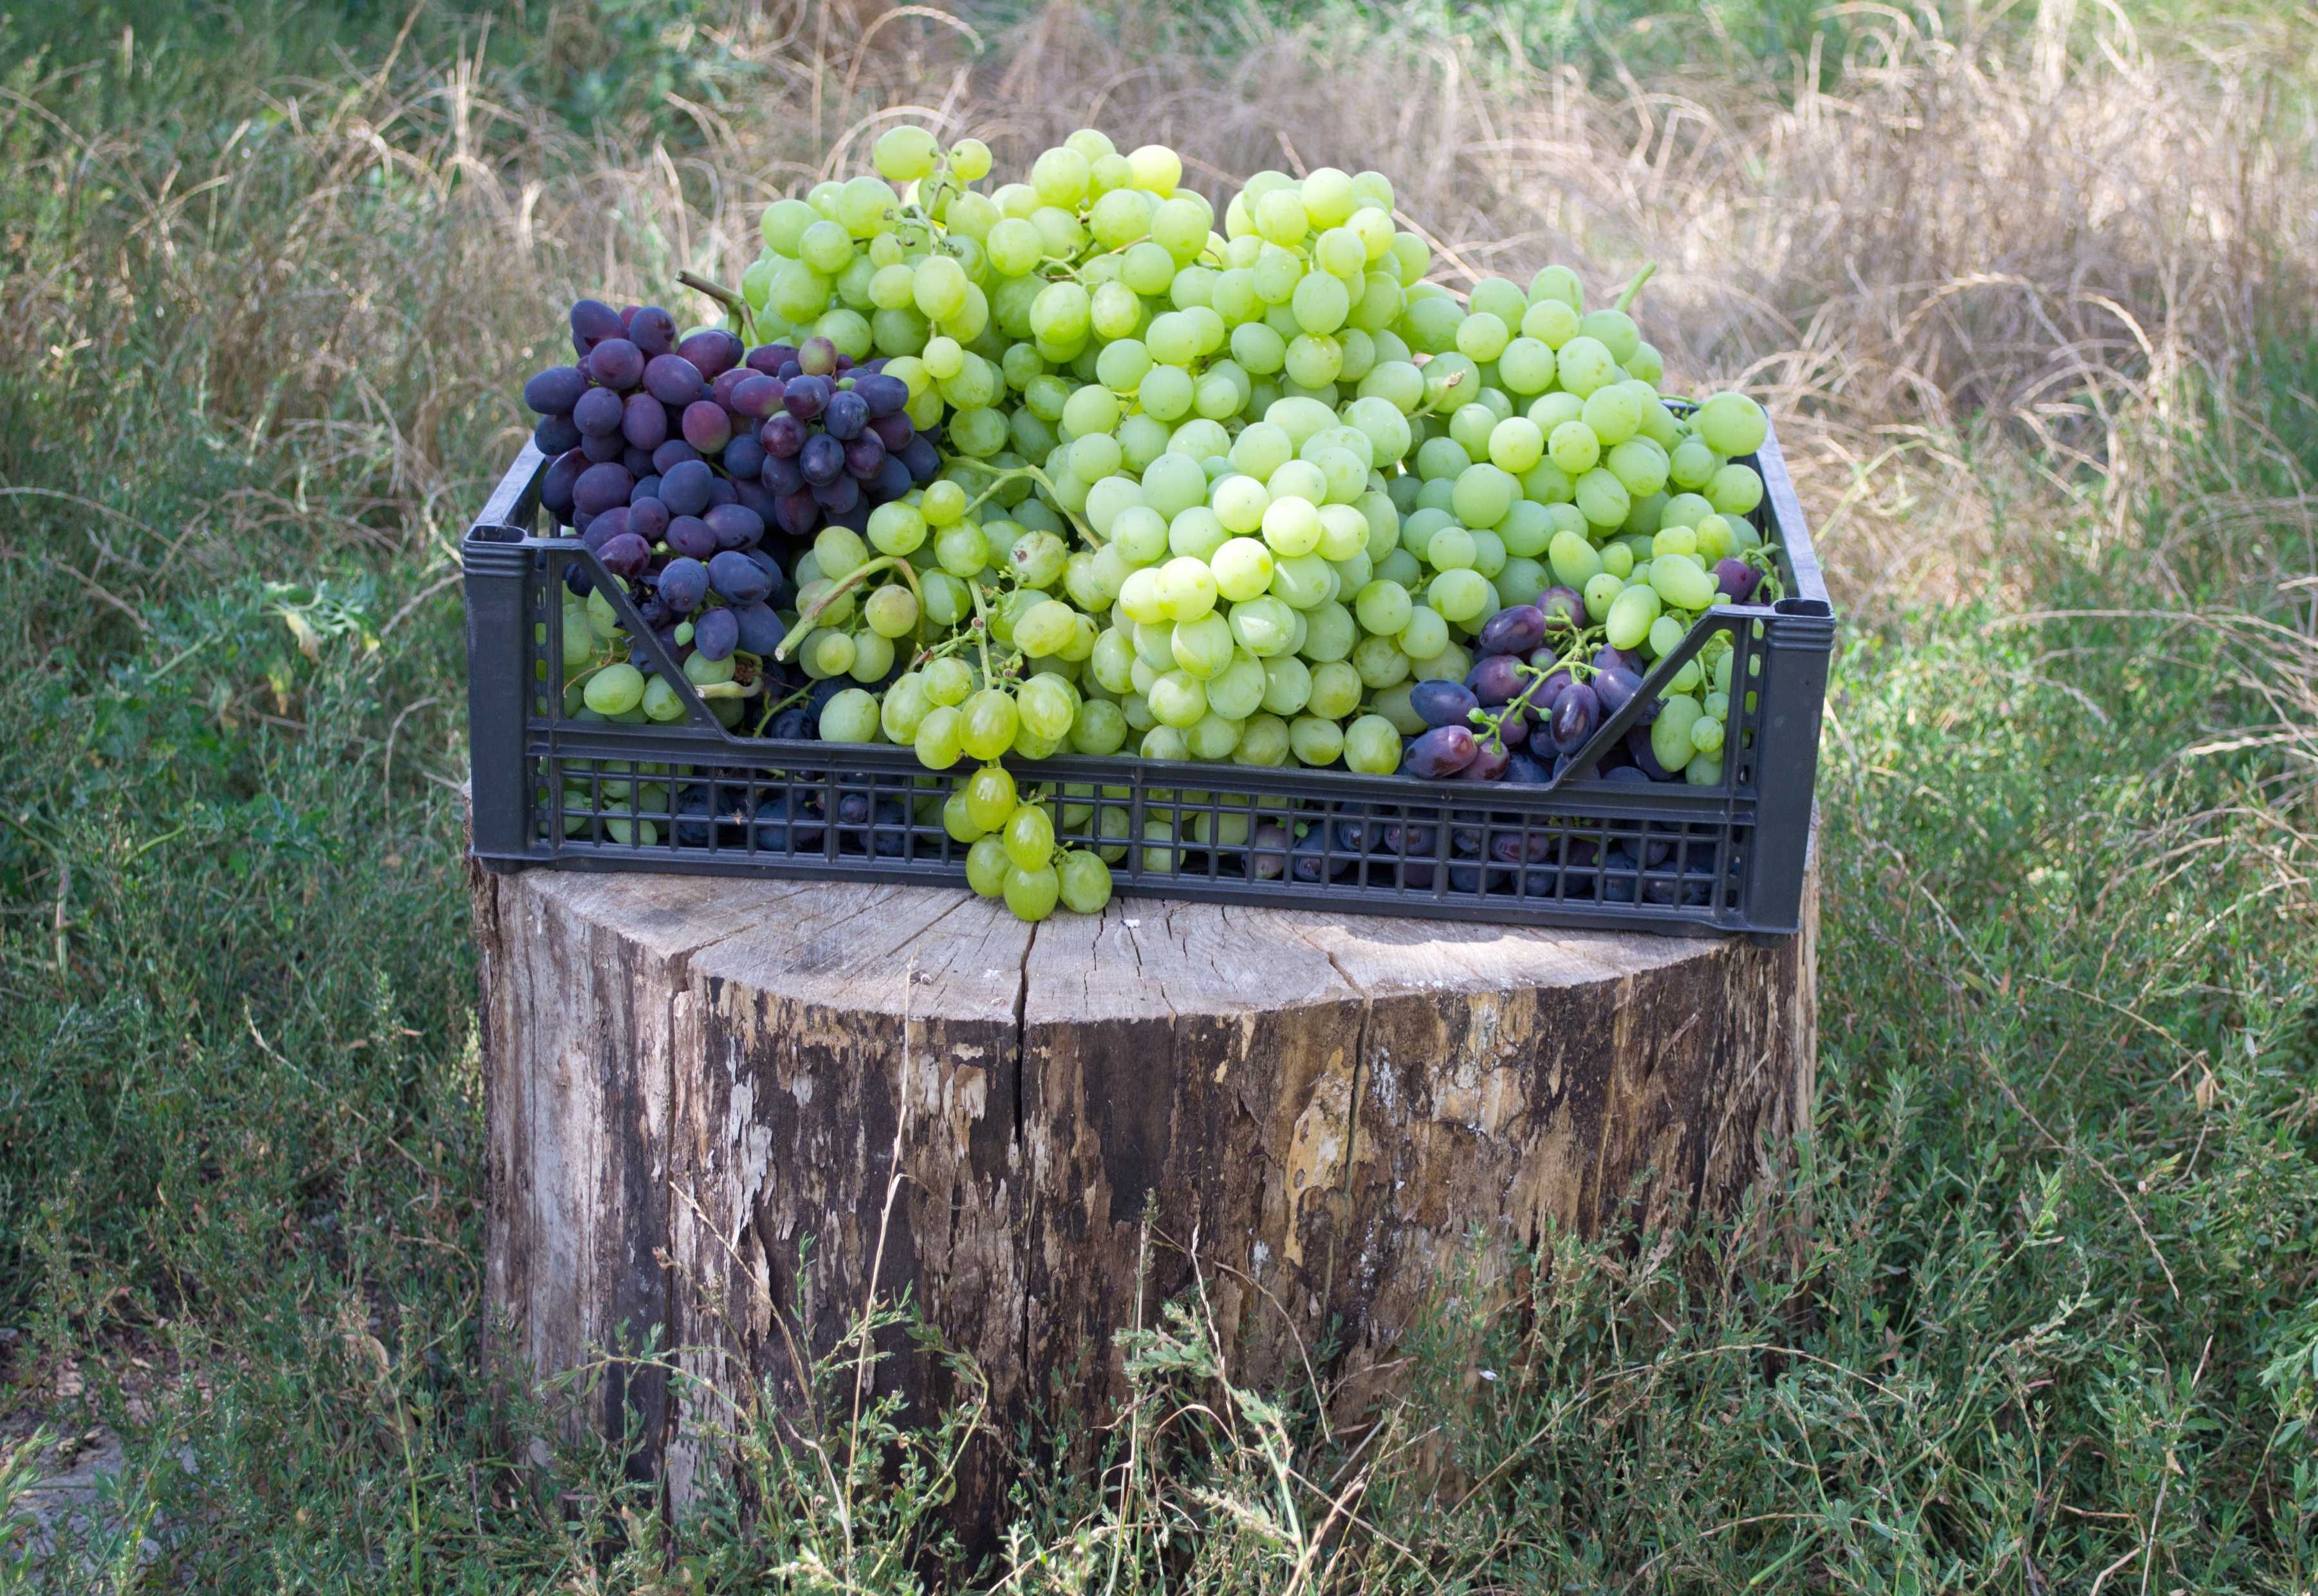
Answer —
691 797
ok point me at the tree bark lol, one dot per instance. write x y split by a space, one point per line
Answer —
720 1111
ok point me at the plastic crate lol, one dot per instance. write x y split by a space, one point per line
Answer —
1580 852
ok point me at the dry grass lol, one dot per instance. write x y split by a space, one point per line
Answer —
1967 245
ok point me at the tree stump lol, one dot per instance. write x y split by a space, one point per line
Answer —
693 1084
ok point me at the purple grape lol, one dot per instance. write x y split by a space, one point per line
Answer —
1441 752
1514 629
1488 763
1624 773
799 513
893 480
707 426
600 486
672 455
1443 702
783 436
754 496
1574 717
922 458
1638 750
1309 859
592 322
616 363
894 431
845 415
760 628
555 434
555 484
1523 770
689 536
862 456
625 555
673 380
603 448
643 421
720 492
1605 657
856 516
1495 679
806 397
769 358
648 518
553 391
1267 853
1736 579
653 330
823 459
739 578
1558 681
639 464
744 457
756 395
839 497
735 526
1614 687
654 612
782 476
1513 731
1564 609
717 633
884 396
598 412
683 584
713 350
686 487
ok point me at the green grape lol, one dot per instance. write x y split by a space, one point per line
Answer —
1483 495
1045 628
615 689
1177 699
1614 414
1164 742
1735 490
989 724
1603 498
661 702
873 657
1336 689
1629 620
990 798
1731 425
1201 647
1031 894
948 681
1584 365
905 708
1615 329
1185 589
1379 662
851 716
1450 548
1028 836
1461 596
1670 733
1084 882
1372 746
892 611
1242 568
1314 741
1264 626
1097 727
1212 737
1640 465
1383 607
938 743
986 865
1238 691
1425 635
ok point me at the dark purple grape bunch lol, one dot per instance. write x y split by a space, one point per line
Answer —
831 441
642 430
1529 703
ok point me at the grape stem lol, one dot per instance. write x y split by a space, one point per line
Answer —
1626 300
723 296
1492 724
845 584
981 629
1005 475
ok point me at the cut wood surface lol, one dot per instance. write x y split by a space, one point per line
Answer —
694 1084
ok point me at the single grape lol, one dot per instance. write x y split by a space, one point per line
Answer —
986 866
